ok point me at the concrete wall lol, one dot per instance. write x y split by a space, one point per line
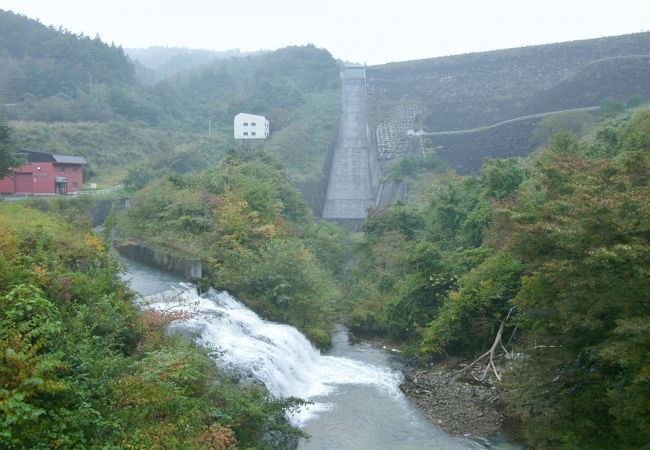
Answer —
250 126
354 178
391 192
190 269
101 209
315 191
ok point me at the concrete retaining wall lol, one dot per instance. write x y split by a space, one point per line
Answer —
190 269
101 209
391 192
316 191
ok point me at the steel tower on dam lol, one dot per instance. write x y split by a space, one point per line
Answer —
354 176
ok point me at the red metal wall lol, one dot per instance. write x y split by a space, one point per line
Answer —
7 185
43 177
67 170
24 183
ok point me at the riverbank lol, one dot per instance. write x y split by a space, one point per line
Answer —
457 406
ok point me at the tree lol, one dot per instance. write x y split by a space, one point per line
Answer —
584 302
8 156
501 177
472 314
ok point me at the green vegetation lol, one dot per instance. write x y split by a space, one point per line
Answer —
49 74
552 251
575 122
44 61
412 166
68 93
296 88
556 247
83 368
8 156
254 233
157 63
111 147
303 145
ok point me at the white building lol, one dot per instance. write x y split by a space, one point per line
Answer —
250 126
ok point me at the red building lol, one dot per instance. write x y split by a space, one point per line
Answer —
45 174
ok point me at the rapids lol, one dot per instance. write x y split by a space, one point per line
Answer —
354 388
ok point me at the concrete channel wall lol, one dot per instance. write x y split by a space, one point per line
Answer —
354 173
190 269
101 209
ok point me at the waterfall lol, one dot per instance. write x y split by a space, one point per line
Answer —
277 355
356 401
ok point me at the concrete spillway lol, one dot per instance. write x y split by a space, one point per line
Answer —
353 180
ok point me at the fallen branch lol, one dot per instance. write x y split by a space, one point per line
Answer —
490 353
505 348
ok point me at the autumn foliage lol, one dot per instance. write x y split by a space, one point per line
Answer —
550 255
81 367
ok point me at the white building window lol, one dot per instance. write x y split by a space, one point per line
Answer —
253 124
245 124
245 133
253 133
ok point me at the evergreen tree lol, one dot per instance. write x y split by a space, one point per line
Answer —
8 156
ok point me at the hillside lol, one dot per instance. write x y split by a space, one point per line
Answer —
296 88
111 147
153 64
548 252
41 61
50 74
465 91
479 89
271 84
72 94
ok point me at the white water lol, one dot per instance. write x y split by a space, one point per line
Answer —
277 355
356 399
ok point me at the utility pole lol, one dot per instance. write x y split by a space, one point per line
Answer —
210 126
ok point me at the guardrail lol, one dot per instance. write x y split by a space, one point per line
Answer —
97 191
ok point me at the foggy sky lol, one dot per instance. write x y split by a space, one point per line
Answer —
361 31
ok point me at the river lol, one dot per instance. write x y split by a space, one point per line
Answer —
354 388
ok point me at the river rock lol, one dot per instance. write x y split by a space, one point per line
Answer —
458 407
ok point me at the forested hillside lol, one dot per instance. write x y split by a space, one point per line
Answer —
54 75
552 254
68 93
154 64
42 61
296 88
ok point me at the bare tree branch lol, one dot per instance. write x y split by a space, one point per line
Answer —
490 353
